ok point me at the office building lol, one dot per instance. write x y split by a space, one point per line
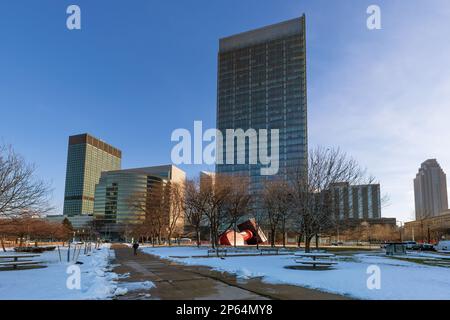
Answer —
356 202
262 85
430 190
207 179
87 158
122 196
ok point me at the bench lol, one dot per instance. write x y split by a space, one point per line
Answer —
16 264
14 261
313 259
314 263
217 251
269 251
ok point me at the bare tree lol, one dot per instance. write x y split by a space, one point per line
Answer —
176 210
238 201
216 194
153 208
33 229
195 206
277 204
310 185
21 193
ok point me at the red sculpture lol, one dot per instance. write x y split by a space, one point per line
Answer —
248 234
227 238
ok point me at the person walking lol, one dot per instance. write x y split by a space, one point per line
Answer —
135 248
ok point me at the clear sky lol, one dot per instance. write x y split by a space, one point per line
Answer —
140 69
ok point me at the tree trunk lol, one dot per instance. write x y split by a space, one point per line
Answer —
284 234
213 239
2 240
308 244
299 241
198 237
317 241
235 233
272 236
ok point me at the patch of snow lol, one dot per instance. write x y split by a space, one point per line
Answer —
399 279
126 287
97 280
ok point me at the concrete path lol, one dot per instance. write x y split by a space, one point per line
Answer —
179 282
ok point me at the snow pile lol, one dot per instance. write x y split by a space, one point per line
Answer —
399 279
126 287
99 282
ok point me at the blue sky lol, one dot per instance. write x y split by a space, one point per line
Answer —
140 69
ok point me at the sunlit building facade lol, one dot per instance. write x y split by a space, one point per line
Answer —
87 158
262 85
121 196
430 190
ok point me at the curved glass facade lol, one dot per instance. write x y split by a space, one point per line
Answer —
123 197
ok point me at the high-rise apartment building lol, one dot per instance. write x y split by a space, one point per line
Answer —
87 158
262 85
430 190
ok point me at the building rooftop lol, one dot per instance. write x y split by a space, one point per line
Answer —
162 170
86 138
261 35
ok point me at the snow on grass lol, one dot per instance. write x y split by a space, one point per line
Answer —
97 280
427 255
399 279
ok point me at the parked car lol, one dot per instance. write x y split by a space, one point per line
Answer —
411 245
443 246
426 247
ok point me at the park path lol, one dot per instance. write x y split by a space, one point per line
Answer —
179 282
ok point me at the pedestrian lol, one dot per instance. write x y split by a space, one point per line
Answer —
135 247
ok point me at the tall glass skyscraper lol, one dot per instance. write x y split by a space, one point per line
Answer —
262 85
86 159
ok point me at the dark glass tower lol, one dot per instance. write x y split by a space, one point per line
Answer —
262 85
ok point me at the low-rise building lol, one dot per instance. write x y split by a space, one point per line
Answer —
78 222
430 229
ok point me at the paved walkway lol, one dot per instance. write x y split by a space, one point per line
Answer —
179 282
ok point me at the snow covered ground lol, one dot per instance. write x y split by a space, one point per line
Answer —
97 281
398 279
